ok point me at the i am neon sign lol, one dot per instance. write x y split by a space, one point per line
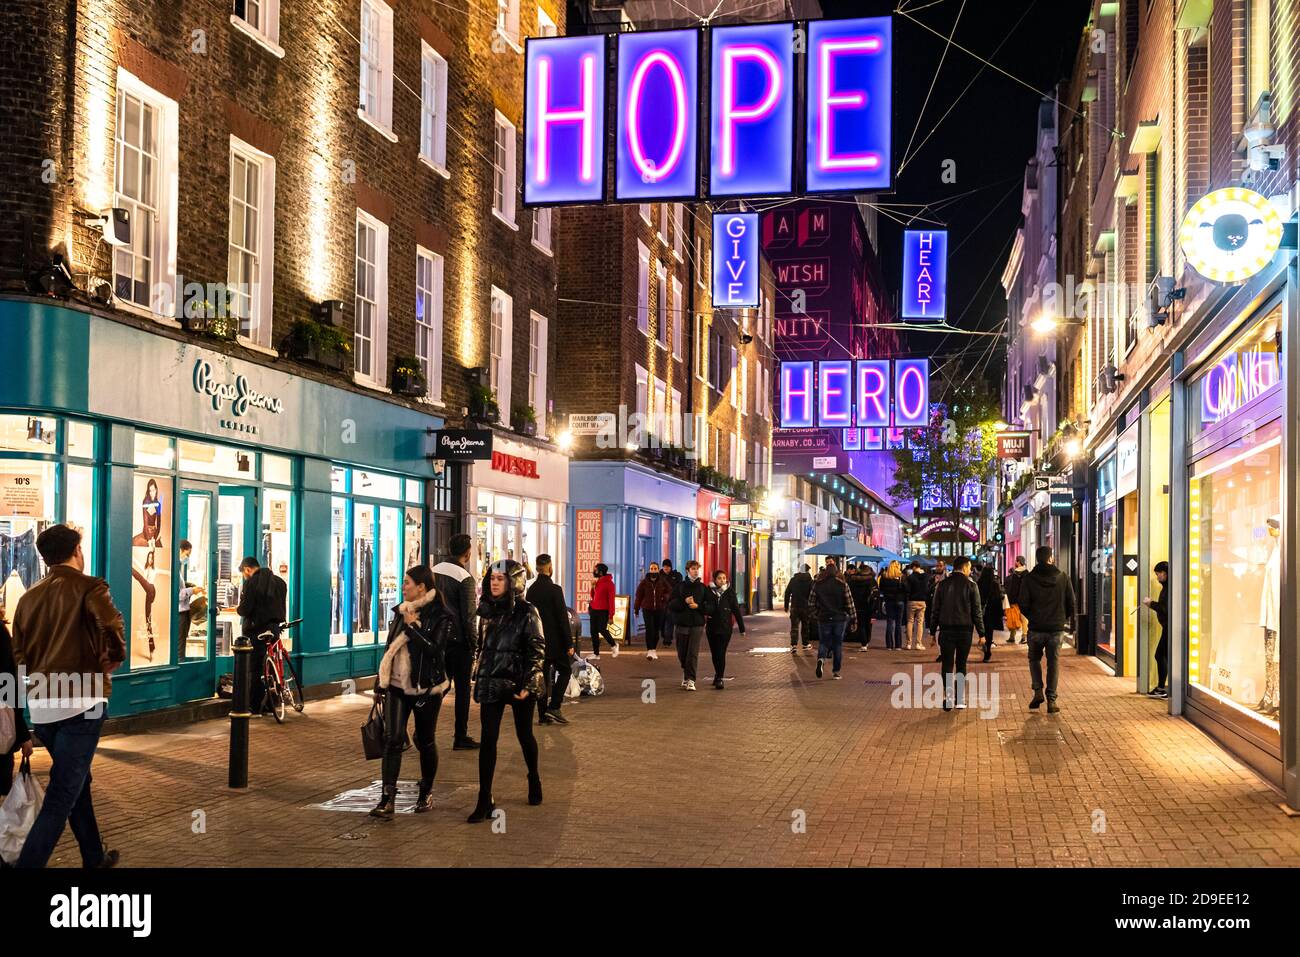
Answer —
925 273
876 395
564 120
658 115
735 260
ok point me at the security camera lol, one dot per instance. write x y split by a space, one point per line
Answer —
115 224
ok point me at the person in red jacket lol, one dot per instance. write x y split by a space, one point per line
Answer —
602 607
651 601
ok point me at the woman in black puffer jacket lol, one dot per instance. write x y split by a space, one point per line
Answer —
509 674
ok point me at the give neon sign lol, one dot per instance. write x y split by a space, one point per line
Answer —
564 120
877 395
735 259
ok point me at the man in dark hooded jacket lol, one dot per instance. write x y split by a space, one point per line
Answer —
798 593
1047 600
548 598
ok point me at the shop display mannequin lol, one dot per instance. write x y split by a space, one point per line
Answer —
1269 613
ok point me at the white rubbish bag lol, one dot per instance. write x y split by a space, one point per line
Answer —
18 813
585 680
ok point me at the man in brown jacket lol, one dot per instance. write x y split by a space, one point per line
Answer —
69 636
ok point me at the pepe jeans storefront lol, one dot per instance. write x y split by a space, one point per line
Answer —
176 462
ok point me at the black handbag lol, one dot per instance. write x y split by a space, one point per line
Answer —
372 732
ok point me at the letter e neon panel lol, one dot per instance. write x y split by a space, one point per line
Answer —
849 128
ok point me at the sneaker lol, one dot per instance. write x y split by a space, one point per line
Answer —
1037 700
614 652
684 684
546 719
1158 693
794 649
836 676
1053 707
652 655
961 705
947 704
690 686
819 666
465 744
557 717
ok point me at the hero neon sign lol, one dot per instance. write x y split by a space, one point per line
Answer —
879 396
735 259
925 274
752 140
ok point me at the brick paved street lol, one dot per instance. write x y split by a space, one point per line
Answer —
719 778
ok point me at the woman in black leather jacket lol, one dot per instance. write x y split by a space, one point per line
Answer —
413 679
509 674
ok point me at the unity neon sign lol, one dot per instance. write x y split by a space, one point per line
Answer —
752 87
872 394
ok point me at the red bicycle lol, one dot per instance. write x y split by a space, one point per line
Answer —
280 676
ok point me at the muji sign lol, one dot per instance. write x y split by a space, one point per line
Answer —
752 144
735 259
925 274
867 393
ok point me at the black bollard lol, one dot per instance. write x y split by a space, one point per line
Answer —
239 713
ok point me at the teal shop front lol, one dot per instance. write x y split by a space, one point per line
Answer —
177 461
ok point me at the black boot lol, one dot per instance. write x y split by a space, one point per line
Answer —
482 810
534 789
387 803
424 800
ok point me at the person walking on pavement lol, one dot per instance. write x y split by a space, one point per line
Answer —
835 614
691 605
452 580
1047 600
22 734
991 598
956 611
1015 620
917 588
602 609
412 679
718 626
932 582
797 597
652 597
861 586
893 602
67 625
1161 607
674 579
512 653
548 598
262 610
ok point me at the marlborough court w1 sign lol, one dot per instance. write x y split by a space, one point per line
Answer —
753 142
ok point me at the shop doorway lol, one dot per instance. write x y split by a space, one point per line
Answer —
195 607
1127 656
236 537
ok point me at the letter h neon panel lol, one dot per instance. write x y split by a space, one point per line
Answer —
796 395
657 153
873 393
925 273
834 394
850 72
564 120
911 393
735 260
751 122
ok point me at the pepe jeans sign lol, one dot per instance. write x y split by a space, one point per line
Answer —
463 445
239 395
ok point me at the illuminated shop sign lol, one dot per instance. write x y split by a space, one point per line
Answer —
935 499
1235 380
751 125
875 394
925 274
735 259
849 74
658 115
564 120
945 525
1231 234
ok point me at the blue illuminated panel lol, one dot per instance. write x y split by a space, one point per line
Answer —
873 440
852 440
656 155
735 260
873 392
848 104
797 395
925 274
911 392
835 394
564 120
751 126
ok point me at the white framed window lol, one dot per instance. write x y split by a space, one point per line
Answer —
643 288
645 212
370 334
679 226
701 348
503 170
542 229
249 266
433 108
744 385
428 319
702 262
376 104
732 369
145 184
679 318
661 333
501 350
660 425
731 454
260 20
742 467
508 21
537 345
674 419
642 394
663 223
702 439
545 25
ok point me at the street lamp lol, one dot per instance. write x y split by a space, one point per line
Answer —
1046 324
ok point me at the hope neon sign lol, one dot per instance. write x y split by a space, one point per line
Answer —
876 395
752 78
658 115
564 120
735 259
925 274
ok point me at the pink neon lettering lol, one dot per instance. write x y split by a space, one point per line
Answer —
546 117
831 101
875 395
733 114
911 414
646 166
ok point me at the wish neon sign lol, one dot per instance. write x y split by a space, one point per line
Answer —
735 259
876 395
753 81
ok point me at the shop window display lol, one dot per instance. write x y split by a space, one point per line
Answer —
150 639
363 574
195 579
414 538
276 540
231 536
26 509
1234 567
338 564
390 575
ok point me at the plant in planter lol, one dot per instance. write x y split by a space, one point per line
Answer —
525 420
408 378
318 343
209 310
483 405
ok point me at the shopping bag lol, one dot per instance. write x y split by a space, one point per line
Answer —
18 813
8 732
